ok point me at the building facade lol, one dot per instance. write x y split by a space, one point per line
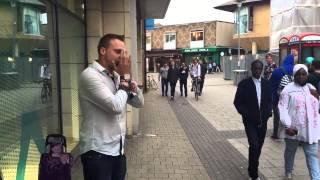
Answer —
254 27
203 40
57 40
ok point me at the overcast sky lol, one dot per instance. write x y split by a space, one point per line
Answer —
188 11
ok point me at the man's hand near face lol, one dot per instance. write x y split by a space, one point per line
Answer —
124 65
133 86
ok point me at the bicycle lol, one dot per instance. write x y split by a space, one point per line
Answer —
151 83
46 91
196 87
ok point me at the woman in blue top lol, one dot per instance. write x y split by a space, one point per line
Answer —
277 74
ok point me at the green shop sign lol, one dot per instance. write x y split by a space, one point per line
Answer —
195 50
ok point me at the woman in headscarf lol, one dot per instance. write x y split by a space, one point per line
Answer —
277 74
299 114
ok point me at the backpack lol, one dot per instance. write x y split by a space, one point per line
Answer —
286 79
55 168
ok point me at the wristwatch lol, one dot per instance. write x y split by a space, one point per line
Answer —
127 90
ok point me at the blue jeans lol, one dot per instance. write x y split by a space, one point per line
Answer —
310 152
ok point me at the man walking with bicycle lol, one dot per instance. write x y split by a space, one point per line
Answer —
195 72
203 69
45 75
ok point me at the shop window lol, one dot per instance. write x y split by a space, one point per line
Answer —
196 39
316 53
197 36
169 40
310 52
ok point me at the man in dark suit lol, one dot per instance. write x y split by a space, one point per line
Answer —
253 102
183 76
173 76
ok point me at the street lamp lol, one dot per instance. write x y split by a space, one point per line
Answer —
239 4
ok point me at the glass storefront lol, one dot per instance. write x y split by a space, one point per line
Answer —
33 52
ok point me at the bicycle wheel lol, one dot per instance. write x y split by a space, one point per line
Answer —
198 91
44 94
148 84
154 85
195 87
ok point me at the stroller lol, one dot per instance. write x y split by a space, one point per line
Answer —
55 163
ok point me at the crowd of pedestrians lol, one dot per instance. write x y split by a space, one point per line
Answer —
291 92
197 69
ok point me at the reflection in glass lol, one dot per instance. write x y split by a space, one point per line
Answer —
24 119
74 6
31 21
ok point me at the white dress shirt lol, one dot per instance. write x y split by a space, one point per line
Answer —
195 70
104 111
257 83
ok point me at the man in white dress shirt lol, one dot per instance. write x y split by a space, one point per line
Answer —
104 90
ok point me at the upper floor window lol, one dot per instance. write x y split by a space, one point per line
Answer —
30 20
245 20
196 39
169 40
148 42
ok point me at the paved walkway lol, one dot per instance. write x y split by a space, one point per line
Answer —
162 150
216 106
198 140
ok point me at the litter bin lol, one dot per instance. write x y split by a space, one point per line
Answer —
239 75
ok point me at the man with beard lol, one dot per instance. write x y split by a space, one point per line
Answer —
299 106
253 102
104 90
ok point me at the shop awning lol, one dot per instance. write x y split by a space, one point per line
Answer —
196 50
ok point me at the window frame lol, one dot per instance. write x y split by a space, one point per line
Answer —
172 43
197 43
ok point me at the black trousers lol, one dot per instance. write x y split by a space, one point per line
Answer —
183 85
97 166
255 135
164 86
201 83
173 87
276 120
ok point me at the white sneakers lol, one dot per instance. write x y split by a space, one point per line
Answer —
255 179
288 176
